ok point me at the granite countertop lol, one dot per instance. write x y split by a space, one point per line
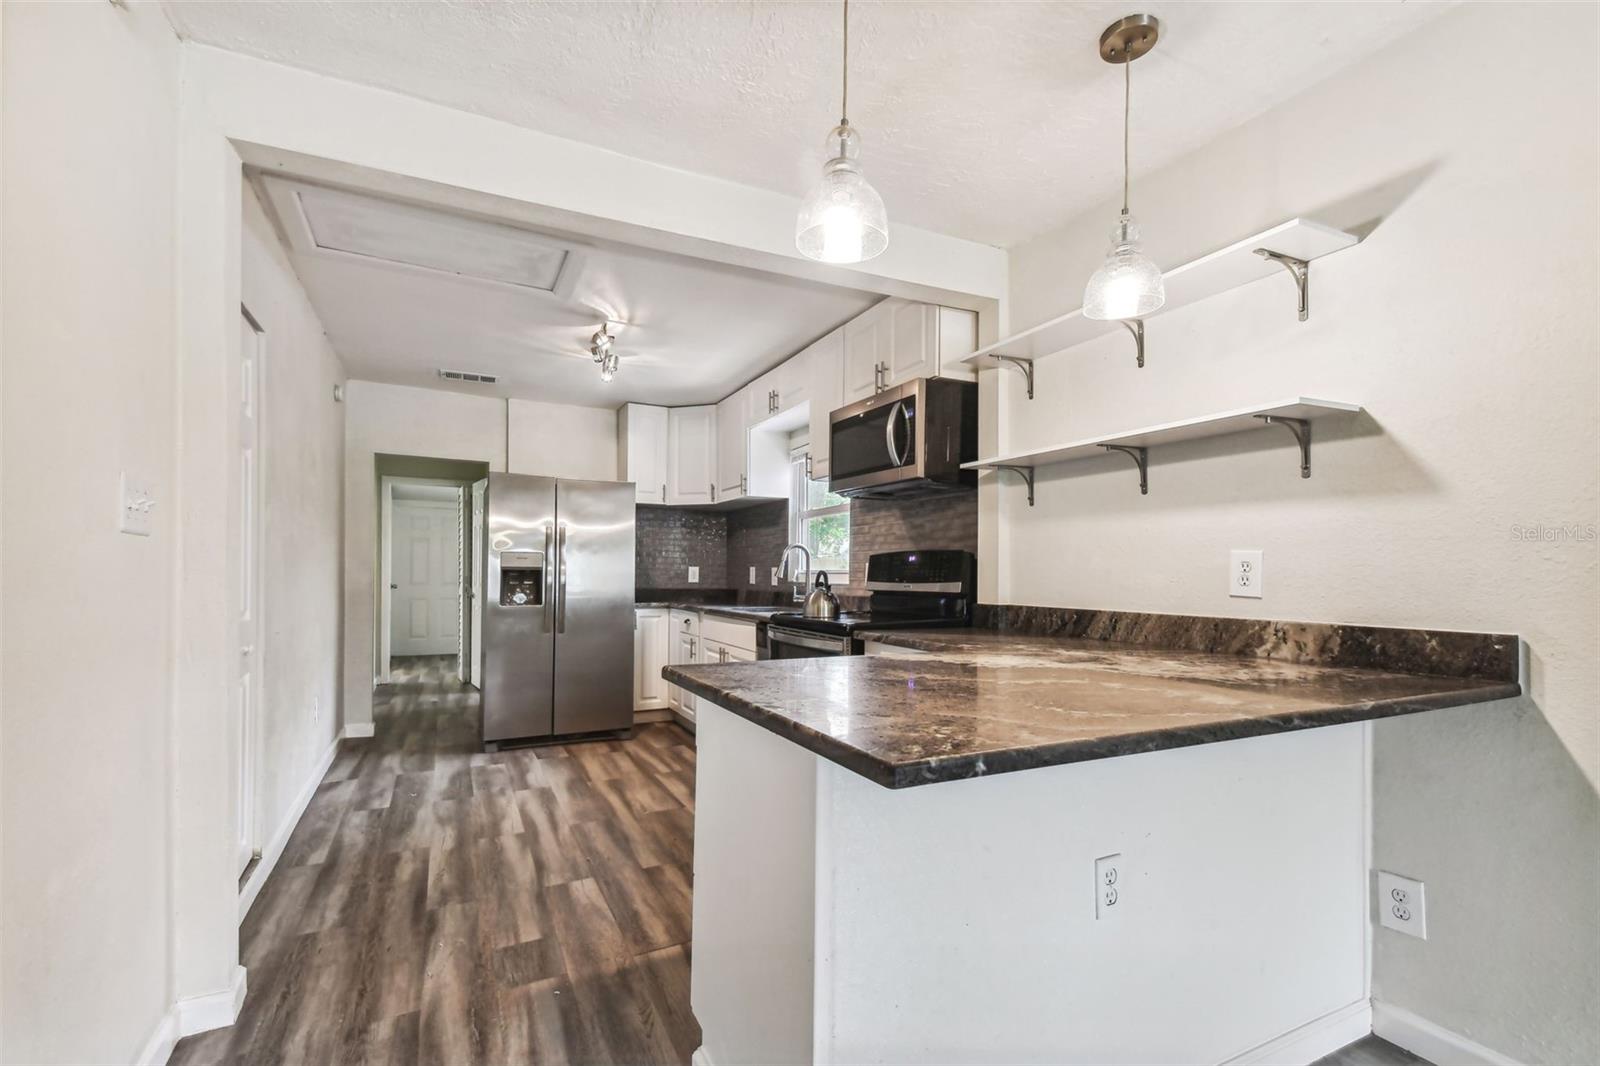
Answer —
991 702
744 612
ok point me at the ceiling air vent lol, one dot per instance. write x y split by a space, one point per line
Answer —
467 375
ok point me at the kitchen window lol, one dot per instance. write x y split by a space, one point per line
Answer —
820 520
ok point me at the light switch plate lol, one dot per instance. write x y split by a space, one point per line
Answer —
774 577
752 575
137 503
694 575
1244 573
1401 905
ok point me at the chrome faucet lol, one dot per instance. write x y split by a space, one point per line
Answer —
783 565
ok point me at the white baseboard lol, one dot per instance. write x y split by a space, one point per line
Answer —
1313 1040
216 1010
1429 1041
662 715
357 730
280 839
158 1049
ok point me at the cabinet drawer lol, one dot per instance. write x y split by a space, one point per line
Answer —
740 635
684 622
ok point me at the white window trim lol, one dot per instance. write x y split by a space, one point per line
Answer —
798 515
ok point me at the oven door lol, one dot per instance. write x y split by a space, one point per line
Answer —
785 643
877 441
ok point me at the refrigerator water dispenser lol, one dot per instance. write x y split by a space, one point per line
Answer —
521 579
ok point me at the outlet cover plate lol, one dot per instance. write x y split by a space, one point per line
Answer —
1401 905
1107 887
1244 573
694 575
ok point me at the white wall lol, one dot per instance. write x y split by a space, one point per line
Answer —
302 513
561 440
1466 325
89 128
396 420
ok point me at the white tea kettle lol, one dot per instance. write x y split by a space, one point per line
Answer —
822 603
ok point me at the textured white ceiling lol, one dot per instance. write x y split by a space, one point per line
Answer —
696 330
991 121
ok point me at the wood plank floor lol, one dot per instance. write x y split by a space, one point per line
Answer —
441 905
1371 1051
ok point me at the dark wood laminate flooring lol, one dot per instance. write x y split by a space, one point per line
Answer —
441 905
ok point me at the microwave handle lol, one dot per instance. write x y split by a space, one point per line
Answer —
898 410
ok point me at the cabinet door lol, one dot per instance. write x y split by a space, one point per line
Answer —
794 381
649 656
642 451
827 393
733 443
691 454
688 652
763 393
868 343
914 343
739 655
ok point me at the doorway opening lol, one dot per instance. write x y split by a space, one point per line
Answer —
426 564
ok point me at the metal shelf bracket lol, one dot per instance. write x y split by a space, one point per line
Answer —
1024 472
1299 269
1302 436
1135 326
1021 366
1141 458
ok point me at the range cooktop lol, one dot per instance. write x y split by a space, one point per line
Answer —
850 622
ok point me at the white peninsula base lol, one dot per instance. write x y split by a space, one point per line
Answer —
837 921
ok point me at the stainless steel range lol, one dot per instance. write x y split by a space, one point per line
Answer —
910 590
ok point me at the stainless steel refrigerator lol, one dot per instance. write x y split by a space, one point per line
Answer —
557 607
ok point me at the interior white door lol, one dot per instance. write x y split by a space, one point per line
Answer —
247 540
424 568
475 657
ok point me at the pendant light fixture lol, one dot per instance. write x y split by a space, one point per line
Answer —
1128 285
843 220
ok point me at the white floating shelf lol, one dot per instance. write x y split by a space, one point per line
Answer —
1295 414
1227 268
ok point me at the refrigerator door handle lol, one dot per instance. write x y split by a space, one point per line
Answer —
561 578
549 580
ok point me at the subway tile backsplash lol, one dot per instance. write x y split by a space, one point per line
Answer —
669 540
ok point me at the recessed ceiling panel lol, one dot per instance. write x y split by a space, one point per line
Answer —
367 226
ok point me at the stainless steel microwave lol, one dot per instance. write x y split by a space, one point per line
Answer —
906 441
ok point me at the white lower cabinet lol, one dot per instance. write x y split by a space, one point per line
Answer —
649 656
683 649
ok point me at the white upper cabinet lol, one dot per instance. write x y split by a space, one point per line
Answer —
868 345
763 397
794 381
642 451
691 454
827 394
897 341
733 444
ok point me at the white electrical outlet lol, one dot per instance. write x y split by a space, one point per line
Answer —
1401 905
694 575
1108 887
137 503
1244 573
752 575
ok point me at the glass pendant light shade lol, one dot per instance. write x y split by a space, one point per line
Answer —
843 220
1128 284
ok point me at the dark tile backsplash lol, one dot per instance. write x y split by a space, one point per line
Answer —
669 540
756 535
726 544
899 525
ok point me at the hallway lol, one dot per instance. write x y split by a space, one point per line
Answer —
441 905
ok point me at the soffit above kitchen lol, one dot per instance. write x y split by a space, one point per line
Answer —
405 289
987 121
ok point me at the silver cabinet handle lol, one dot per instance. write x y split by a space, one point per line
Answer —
561 578
898 410
549 579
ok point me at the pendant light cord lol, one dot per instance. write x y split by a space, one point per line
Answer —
1127 105
844 102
